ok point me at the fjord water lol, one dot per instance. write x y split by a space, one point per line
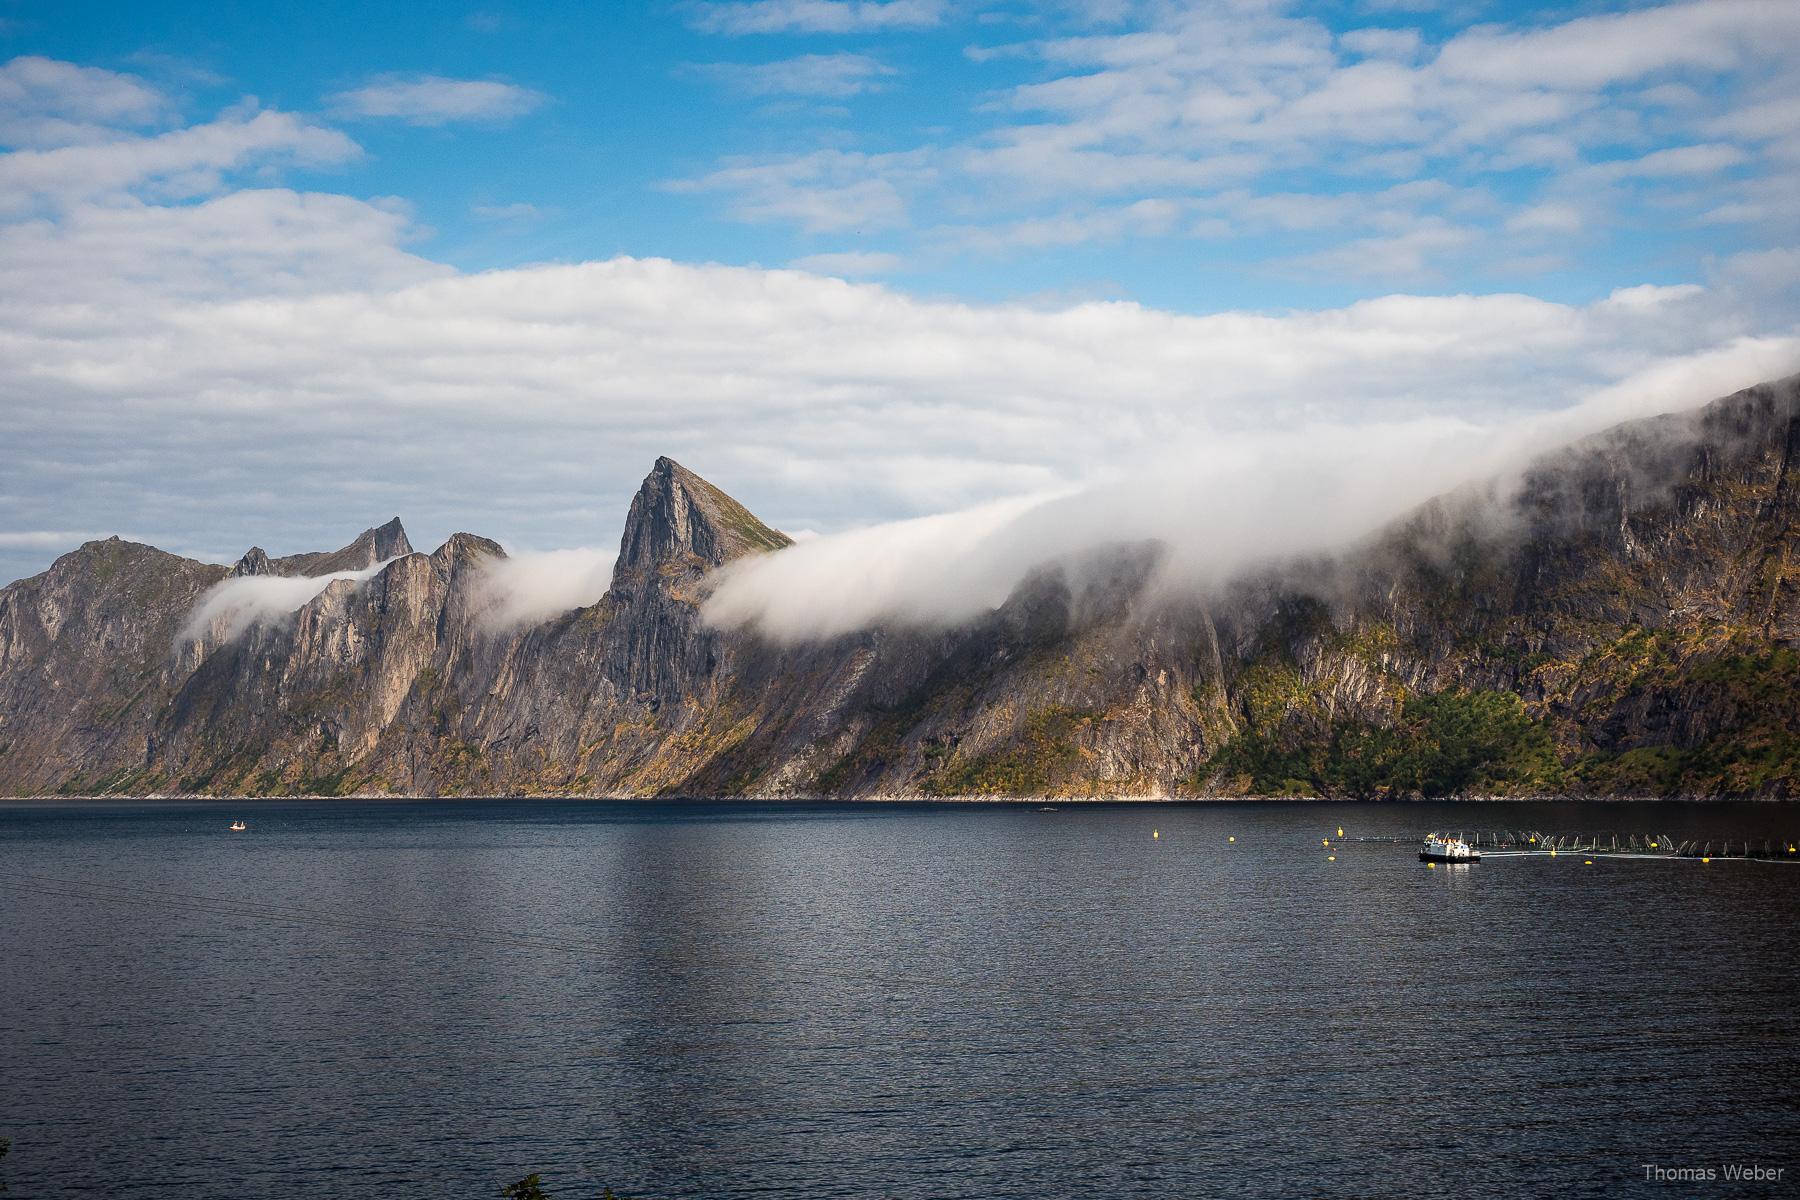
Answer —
714 999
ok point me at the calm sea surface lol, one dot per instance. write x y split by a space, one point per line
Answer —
701 1000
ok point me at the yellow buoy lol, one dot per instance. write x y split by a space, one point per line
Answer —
1653 845
1433 866
1588 861
1706 860
1325 841
1156 833
1331 858
1533 841
1231 839
1340 831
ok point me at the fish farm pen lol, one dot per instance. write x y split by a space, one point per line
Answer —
1638 845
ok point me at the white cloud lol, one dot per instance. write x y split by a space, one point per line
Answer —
1257 97
823 192
827 75
1673 161
531 586
1409 256
1598 51
266 363
182 162
850 264
816 16
1150 216
435 100
233 606
262 242
526 403
1382 43
45 102
1545 218
1218 506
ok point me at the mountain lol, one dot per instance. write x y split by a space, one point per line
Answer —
1619 619
371 547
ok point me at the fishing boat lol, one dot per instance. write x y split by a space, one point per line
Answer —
238 827
1448 850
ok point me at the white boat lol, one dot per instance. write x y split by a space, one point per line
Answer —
1448 850
238 827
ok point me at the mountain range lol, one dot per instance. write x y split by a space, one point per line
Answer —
1618 619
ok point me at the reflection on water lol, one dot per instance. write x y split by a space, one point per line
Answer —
910 1001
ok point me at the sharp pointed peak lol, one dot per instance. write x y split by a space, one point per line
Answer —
679 517
376 544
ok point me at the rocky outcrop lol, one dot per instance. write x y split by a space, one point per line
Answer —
1619 619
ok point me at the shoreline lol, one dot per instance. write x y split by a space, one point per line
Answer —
941 801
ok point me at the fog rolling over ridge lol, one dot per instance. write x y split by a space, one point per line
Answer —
1218 506
1616 615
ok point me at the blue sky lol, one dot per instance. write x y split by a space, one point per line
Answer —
631 121
1037 242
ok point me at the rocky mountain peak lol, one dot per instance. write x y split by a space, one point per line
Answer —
465 550
678 518
255 562
371 546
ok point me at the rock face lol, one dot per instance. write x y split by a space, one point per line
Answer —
1621 619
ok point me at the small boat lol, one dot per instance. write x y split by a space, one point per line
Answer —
238 827
1448 850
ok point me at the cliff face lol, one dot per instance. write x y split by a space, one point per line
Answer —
1637 592
1620 619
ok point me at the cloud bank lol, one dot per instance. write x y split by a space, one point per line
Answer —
1217 506
192 351
528 587
233 606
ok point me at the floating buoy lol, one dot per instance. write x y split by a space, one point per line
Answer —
1231 839
1588 861
1155 833
1653 845
1340 831
1431 866
1331 858
1325 841
1533 841
1706 860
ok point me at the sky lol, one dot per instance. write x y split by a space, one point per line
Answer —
271 274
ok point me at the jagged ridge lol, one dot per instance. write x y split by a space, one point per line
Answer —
1628 626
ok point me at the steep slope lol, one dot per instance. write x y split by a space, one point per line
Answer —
85 664
1636 592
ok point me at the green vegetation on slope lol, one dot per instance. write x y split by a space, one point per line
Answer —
1044 751
1453 743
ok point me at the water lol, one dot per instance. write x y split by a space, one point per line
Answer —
704 1000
